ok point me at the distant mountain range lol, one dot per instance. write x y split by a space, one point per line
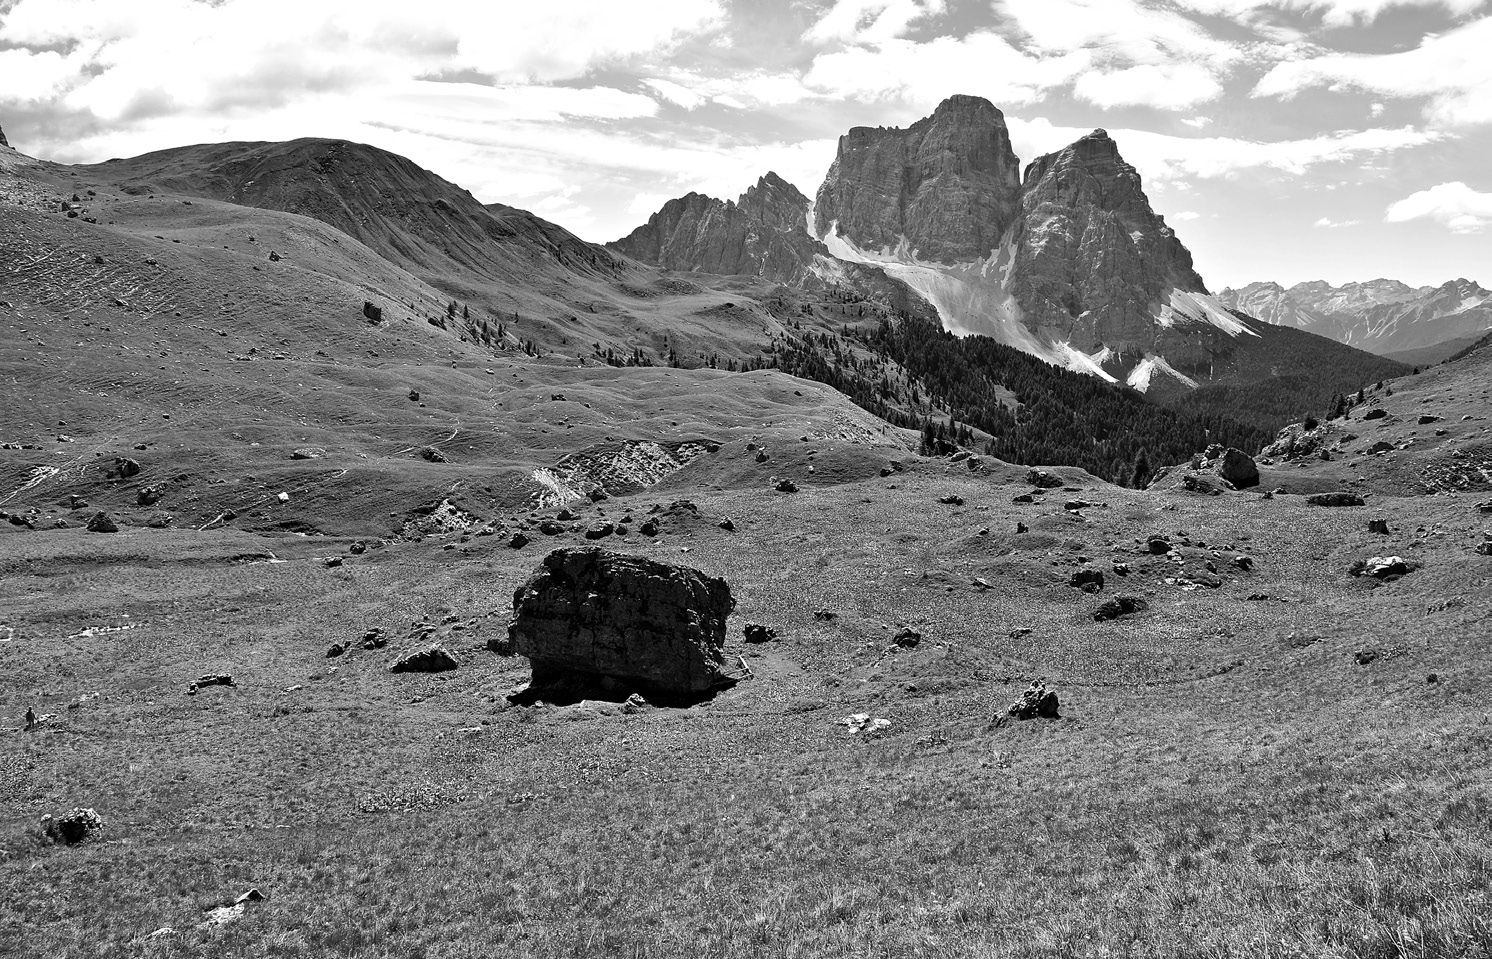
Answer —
1416 325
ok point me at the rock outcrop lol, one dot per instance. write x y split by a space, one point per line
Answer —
3 142
945 188
589 615
763 234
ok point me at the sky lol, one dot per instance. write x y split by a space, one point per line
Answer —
1284 140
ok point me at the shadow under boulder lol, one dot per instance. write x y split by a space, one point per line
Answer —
596 624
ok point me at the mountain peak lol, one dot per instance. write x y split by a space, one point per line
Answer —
965 104
948 186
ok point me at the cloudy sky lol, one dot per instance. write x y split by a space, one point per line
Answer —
1283 139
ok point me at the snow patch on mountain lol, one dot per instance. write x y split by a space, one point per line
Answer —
1145 370
971 298
1188 307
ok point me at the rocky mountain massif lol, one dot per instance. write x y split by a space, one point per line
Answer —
1068 262
1416 325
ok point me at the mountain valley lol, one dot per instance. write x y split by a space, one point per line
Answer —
947 429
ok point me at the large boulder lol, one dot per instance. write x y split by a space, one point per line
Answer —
1238 468
590 613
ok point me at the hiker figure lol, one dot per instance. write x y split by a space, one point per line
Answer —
30 718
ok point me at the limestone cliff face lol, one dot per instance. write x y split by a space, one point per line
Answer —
764 234
949 184
1094 264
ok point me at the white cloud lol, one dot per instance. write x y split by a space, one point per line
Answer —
1197 123
1327 223
1169 87
1334 13
1185 215
924 74
150 57
871 21
1453 205
1453 70
676 94
1122 29
1169 158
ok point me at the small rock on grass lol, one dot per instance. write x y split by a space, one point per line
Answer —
759 633
435 659
1036 702
71 828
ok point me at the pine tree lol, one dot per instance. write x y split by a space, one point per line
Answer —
1139 477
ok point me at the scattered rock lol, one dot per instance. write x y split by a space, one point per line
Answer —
1379 526
1377 413
434 659
757 633
648 528
600 531
952 499
124 468
727 525
1035 702
518 540
336 649
308 453
1041 479
73 827
149 495
786 486
551 527
1427 418
1089 580
1120 606
332 562
589 614
432 455
825 615
102 522
1382 446
209 679
1244 563
1023 498
864 724
1365 656
374 638
1335 499
1382 567
907 638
